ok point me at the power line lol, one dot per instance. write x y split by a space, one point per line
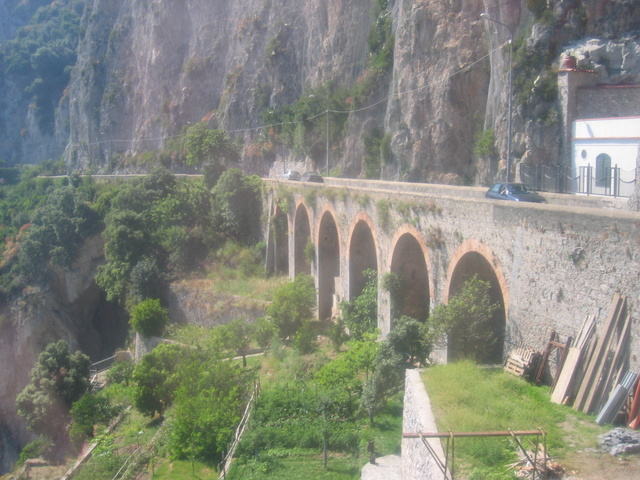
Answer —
326 112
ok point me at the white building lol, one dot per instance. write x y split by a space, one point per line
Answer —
604 155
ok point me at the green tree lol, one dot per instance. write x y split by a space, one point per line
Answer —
58 379
200 428
206 145
155 379
342 377
237 337
157 227
467 319
304 340
293 303
387 378
361 314
149 317
264 331
88 411
42 53
59 228
411 339
238 203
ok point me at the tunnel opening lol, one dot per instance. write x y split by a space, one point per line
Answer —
474 264
302 236
409 263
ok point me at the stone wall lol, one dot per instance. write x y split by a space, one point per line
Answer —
555 264
608 101
195 302
417 462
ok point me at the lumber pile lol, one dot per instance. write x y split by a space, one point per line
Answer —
594 377
563 390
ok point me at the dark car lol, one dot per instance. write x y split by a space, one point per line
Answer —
312 177
292 175
516 192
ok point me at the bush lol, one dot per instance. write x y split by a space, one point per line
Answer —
121 372
361 314
292 304
89 411
149 317
304 339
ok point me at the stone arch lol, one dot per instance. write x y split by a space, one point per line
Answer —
280 239
409 258
475 258
301 236
363 253
328 246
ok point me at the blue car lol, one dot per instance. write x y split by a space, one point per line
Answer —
516 192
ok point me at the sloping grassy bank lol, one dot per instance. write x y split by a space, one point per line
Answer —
469 398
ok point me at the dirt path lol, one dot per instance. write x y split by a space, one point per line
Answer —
595 465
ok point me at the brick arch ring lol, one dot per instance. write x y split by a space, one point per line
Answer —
362 216
476 246
328 208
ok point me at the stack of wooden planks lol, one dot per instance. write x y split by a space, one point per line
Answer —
570 375
594 365
606 362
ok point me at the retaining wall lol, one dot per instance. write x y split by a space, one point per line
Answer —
417 461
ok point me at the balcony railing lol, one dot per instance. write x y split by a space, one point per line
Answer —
613 181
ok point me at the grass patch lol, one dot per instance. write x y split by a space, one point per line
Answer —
183 470
228 280
469 398
288 467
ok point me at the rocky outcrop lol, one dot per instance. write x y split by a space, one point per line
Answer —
70 307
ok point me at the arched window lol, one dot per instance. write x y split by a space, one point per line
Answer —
603 170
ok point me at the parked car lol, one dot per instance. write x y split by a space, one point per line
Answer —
516 192
292 175
312 177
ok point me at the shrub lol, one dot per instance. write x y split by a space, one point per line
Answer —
304 339
292 304
149 317
88 411
361 314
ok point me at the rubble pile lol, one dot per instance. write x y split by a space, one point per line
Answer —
620 441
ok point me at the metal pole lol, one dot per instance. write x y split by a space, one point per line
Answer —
327 160
510 106
487 17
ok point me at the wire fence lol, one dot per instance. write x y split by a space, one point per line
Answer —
228 458
612 181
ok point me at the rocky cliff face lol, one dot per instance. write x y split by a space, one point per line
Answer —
148 68
70 308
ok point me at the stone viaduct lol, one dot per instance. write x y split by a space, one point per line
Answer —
549 265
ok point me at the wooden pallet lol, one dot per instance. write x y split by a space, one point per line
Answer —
522 361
